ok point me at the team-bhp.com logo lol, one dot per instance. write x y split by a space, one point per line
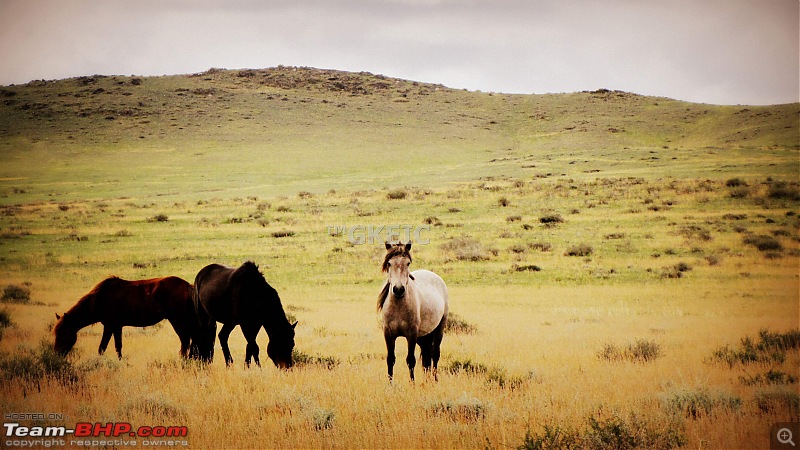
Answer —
93 435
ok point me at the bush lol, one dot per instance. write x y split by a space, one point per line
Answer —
763 242
457 325
551 219
502 201
397 194
282 233
640 351
5 320
769 348
301 359
33 365
468 249
783 190
735 182
699 404
553 437
16 294
159 218
579 250
462 409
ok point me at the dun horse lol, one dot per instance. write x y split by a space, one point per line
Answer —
118 303
413 305
241 296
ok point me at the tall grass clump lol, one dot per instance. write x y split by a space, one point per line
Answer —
763 242
27 365
700 403
641 350
16 294
462 409
468 249
302 359
5 320
768 348
457 325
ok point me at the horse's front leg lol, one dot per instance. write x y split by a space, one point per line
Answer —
104 340
224 333
118 341
411 360
250 333
390 354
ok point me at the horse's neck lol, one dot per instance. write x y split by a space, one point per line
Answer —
81 315
275 320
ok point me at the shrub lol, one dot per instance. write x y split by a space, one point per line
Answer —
776 400
301 359
783 190
322 418
579 250
432 220
27 364
5 320
502 201
516 218
770 347
526 268
16 294
396 194
551 437
735 182
468 249
457 325
699 404
763 242
282 233
639 351
541 246
156 406
462 409
158 218
740 192
551 219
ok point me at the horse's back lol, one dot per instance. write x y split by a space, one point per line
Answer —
433 299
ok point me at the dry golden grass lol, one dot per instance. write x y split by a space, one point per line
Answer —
546 340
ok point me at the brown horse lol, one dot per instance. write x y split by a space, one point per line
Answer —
241 296
117 303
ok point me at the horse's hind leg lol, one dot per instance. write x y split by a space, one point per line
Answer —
224 333
118 341
436 345
426 346
184 334
104 340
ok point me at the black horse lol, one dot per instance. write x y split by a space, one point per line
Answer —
241 296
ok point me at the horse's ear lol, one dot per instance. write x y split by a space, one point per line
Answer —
294 324
388 245
408 246
411 276
58 317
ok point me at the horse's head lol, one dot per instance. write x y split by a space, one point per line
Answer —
281 346
66 336
396 265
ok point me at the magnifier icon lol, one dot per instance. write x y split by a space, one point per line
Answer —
785 436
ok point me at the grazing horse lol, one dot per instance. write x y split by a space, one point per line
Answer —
241 296
118 303
412 305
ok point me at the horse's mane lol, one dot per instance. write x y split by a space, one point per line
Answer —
395 250
83 307
383 295
250 277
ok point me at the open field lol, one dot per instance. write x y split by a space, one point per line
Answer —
606 256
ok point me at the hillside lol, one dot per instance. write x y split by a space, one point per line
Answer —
287 129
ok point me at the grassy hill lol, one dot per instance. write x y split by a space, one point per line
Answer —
283 130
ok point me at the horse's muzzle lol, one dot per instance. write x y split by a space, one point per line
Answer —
399 291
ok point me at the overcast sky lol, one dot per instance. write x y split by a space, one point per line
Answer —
710 51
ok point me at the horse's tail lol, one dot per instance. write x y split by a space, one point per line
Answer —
383 296
205 330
